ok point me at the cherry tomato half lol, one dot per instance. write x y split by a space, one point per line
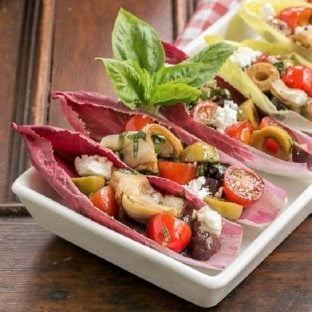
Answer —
169 231
204 112
241 130
242 186
268 121
181 173
299 77
104 199
137 122
295 16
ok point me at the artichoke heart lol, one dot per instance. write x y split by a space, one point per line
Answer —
171 146
138 150
140 200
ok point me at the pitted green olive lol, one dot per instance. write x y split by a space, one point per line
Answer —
247 112
89 184
200 152
283 140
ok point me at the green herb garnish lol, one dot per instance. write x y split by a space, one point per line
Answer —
165 233
157 140
138 72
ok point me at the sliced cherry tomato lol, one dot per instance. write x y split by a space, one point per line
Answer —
268 121
205 112
299 77
137 122
169 231
241 130
272 145
264 57
104 199
295 16
242 185
179 172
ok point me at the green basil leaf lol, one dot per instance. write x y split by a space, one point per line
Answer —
129 80
180 73
212 58
135 40
172 93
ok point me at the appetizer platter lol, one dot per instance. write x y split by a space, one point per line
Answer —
147 183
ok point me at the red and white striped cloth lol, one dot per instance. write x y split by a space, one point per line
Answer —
207 12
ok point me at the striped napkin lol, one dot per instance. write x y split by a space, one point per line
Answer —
207 12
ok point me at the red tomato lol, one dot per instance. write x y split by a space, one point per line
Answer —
137 122
299 77
241 130
272 145
296 16
264 57
179 172
104 199
242 185
169 231
204 112
268 121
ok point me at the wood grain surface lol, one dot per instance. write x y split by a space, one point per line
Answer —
11 18
40 272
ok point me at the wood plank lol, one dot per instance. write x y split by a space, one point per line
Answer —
11 18
83 31
40 272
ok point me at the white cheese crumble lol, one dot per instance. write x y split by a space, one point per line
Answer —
226 115
300 29
197 188
210 220
93 165
244 56
267 12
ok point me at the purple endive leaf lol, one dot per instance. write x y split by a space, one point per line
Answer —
45 142
92 115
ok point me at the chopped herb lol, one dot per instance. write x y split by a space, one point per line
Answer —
157 140
181 194
135 136
165 233
280 67
201 170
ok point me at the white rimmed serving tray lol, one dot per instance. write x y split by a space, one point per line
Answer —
202 287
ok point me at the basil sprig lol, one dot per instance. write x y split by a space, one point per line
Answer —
138 72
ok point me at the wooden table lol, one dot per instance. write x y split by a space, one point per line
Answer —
48 45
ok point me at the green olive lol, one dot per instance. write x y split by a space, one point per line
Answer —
201 152
247 111
89 184
281 137
226 209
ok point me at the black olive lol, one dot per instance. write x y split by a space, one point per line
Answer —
203 244
299 155
213 185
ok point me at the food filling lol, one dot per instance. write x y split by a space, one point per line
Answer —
153 149
129 197
294 22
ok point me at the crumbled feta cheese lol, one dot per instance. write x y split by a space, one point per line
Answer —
244 56
301 29
210 220
93 165
226 115
267 12
197 188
